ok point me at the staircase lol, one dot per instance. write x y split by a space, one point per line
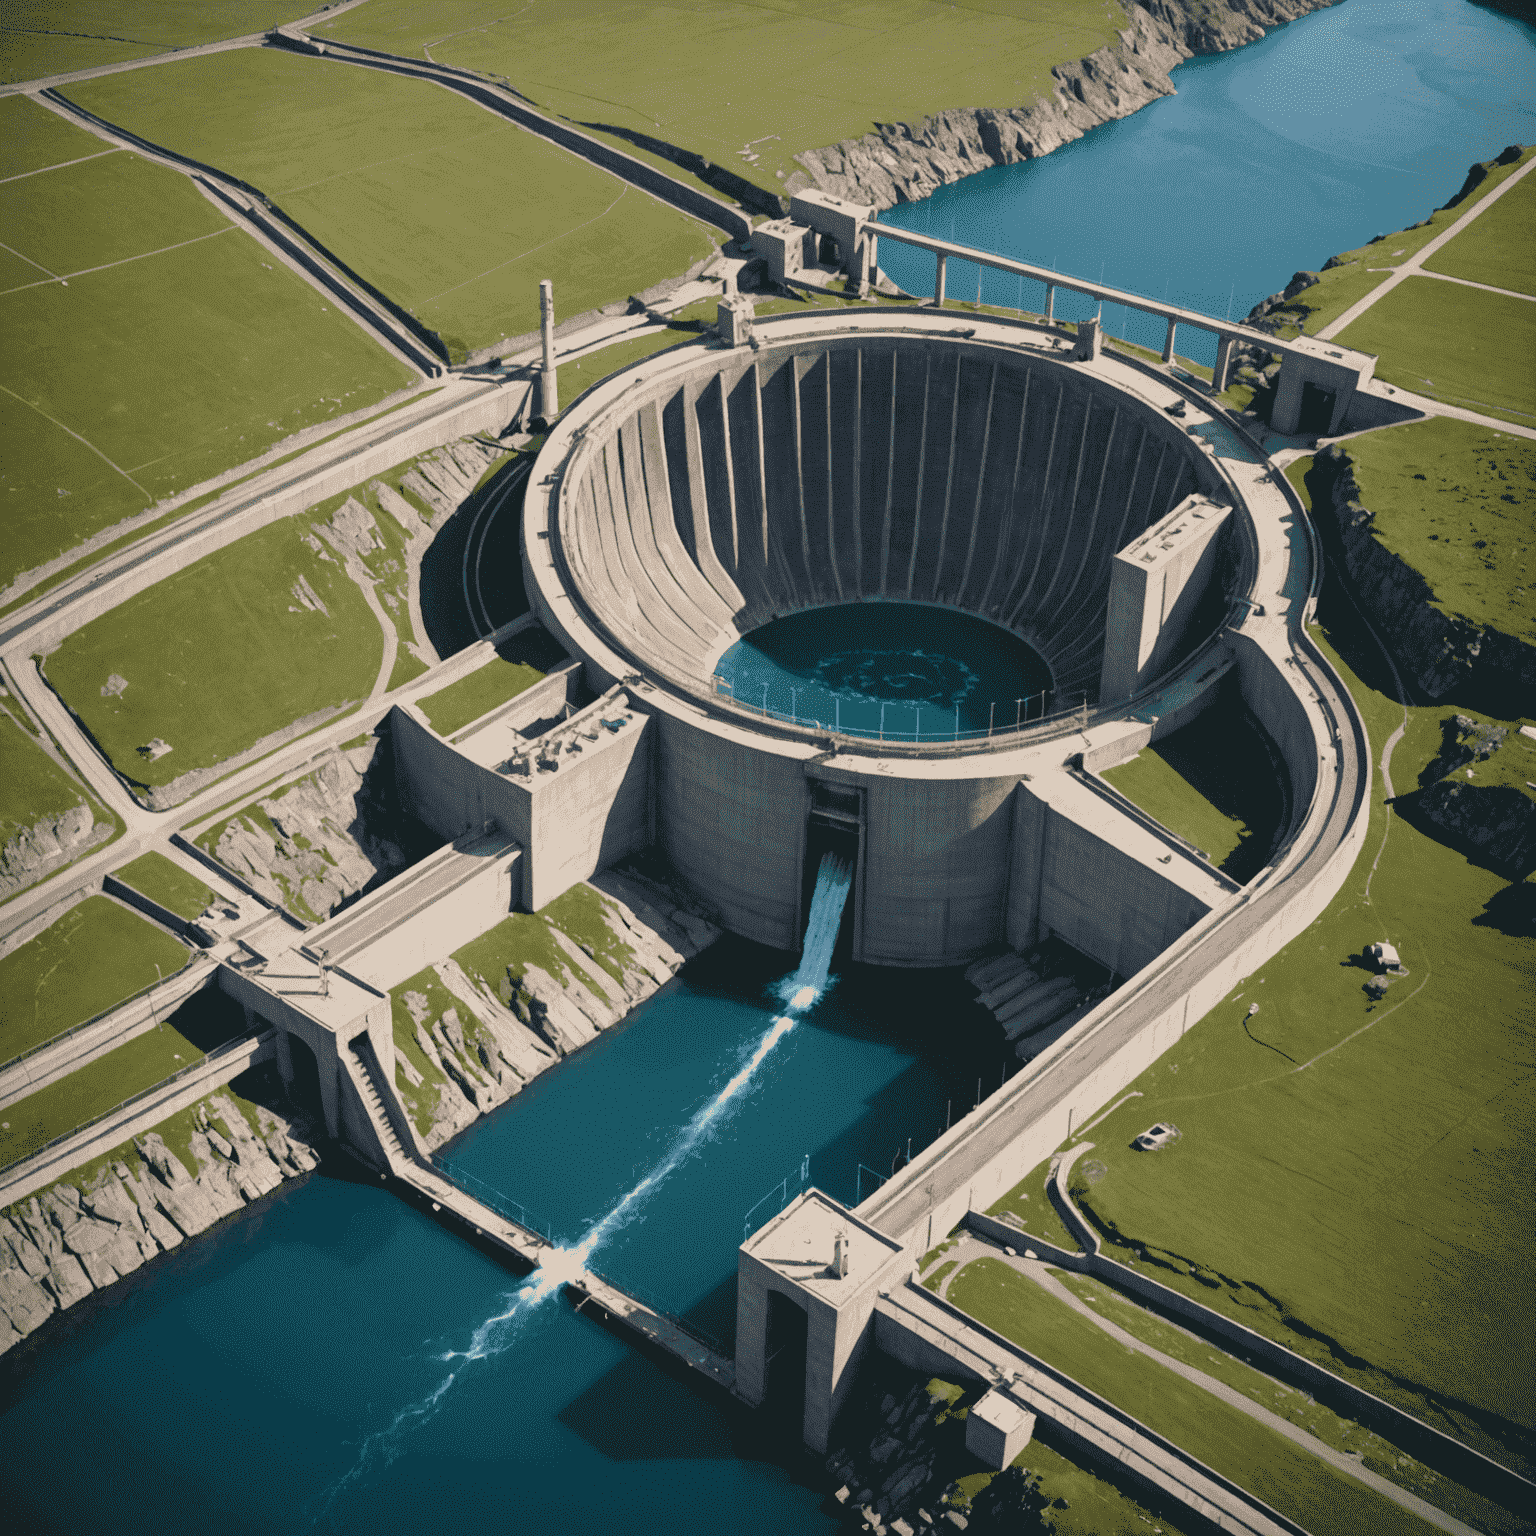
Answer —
373 1102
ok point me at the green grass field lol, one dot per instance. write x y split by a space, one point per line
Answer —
1499 247
520 664
1368 266
205 1020
1214 783
476 210
1321 1498
1353 1178
188 351
32 138
178 891
1461 345
32 783
46 37
93 957
222 654
813 73
1457 502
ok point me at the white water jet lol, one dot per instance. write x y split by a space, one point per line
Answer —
833 880
561 1266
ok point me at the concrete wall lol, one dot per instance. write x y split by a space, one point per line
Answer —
592 812
731 818
1070 880
1156 583
935 872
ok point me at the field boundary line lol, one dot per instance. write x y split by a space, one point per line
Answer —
52 276
532 250
64 277
78 160
1466 282
92 446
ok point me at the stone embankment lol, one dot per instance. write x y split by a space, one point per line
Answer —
486 1041
1441 650
901 162
317 841
80 1236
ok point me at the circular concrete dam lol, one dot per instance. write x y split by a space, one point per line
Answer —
860 458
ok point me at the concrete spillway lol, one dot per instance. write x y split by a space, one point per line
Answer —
868 467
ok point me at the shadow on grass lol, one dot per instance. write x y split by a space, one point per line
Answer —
1512 911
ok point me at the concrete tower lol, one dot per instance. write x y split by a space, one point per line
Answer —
549 394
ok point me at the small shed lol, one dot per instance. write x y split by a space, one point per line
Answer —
1385 956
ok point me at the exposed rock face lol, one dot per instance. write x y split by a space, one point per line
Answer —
38 850
1441 650
487 1046
61 1245
325 848
901 162
1463 793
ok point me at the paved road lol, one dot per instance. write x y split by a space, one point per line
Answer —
1411 266
226 520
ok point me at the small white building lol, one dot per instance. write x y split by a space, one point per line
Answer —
1385 956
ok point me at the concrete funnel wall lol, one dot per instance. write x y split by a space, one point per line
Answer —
845 457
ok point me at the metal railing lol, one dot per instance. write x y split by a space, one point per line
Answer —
196 957
781 1190
244 1043
660 1308
488 1195
725 691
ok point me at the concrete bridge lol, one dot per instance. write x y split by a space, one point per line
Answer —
1341 378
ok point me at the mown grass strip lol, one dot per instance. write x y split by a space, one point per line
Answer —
1316 1495
93 957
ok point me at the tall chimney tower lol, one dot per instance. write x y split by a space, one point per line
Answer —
549 394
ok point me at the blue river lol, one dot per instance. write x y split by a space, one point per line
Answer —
1346 124
334 1359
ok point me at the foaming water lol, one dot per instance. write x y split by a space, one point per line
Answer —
500 1332
809 981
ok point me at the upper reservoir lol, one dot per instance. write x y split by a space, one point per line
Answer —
334 1359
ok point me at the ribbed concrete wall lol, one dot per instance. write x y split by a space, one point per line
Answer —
877 467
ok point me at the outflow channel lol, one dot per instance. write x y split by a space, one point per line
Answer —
337 1361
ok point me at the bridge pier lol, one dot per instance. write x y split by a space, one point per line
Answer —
938 281
1168 340
1050 303
1222 375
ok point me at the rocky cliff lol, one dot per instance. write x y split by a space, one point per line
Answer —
1478 789
1440 650
74 1238
901 162
35 851
483 1036
315 842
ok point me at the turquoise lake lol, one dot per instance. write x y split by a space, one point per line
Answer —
306 1366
